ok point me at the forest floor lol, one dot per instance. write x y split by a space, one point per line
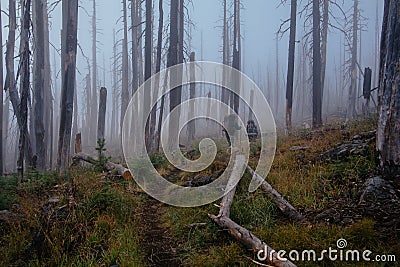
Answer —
91 218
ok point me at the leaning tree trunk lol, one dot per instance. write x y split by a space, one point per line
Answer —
388 134
69 37
38 85
290 74
317 86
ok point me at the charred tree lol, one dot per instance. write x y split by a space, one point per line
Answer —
1 98
192 124
101 124
39 82
388 134
125 66
148 47
93 100
324 42
351 110
317 86
69 37
290 74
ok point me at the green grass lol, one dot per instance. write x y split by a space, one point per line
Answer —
96 226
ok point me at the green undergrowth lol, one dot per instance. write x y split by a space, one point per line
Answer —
310 184
93 223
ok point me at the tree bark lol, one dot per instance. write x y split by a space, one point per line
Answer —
351 111
148 46
70 28
125 67
317 87
1 99
192 124
93 100
101 124
290 74
38 86
388 133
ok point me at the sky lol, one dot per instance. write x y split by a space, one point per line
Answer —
260 22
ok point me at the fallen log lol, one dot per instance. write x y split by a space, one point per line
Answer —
108 166
227 200
251 241
286 208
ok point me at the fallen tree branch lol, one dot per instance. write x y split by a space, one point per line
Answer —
108 166
286 208
249 240
238 232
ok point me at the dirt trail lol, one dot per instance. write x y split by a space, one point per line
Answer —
156 239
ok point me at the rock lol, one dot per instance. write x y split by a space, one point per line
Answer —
378 192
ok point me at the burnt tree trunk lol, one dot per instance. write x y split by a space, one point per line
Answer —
93 99
38 85
290 74
317 87
25 82
388 134
101 123
69 36
351 111
148 47
125 67
192 124
324 43
1 98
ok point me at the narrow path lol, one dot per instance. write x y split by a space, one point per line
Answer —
157 241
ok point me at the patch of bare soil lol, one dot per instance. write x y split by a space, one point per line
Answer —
157 241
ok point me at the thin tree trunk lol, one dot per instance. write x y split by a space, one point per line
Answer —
324 43
290 74
125 67
147 72
351 111
192 124
93 100
70 28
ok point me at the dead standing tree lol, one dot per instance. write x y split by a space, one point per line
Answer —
25 85
125 66
317 83
147 74
93 100
39 82
388 134
69 40
1 98
290 74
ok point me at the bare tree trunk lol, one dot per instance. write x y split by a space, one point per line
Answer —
134 24
38 86
236 61
290 74
147 72
93 100
101 125
317 86
175 94
125 67
324 43
351 111
25 82
70 28
158 68
277 76
192 124
1 99
388 134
